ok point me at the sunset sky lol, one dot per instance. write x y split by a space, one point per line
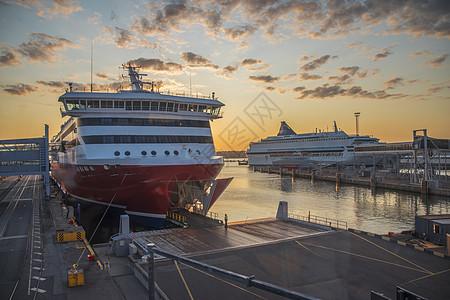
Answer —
308 63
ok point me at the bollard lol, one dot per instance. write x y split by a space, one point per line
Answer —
151 271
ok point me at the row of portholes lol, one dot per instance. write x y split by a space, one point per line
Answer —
85 168
144 153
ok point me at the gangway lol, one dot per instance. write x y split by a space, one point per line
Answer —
26 157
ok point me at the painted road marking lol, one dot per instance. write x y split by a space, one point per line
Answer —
184 281
367 257
38 290
392 253
229 283
307 248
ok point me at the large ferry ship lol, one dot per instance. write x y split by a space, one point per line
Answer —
139 151
289 149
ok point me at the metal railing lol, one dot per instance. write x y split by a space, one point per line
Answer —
320 221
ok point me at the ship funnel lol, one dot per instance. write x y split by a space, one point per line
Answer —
335 127
285 129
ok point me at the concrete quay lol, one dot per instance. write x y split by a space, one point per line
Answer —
382 181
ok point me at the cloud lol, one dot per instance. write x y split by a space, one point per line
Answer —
352 71
422 52
299 89
393 82
327 91
196 60
383 54
9 57
53 84
19 89
102 75
315 63
434 88
264 78
156 64
304 58
228 70
438 61
42 47
355 45
122 37
96 18
307 76
346 78
250 61
60 8
240 31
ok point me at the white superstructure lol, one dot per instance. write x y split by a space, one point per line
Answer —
291 149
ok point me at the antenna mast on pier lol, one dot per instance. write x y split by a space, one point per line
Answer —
92 60
357 122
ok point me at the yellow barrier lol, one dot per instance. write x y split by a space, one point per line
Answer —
71 236
176 217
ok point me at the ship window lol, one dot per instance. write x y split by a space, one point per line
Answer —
106 167
144 153
215 110
92 168
128 105
153 152
202 108
127 153
208 110
117 153
93 104
183 107
72 104
82 104
193 107
170 106
136 105
106 121
176 152
86 168
162 106
146 139
154 105
145 105
166 152
107 104
118 104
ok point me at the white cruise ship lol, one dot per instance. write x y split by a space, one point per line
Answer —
138 151
289 149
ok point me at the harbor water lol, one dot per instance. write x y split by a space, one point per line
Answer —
253 195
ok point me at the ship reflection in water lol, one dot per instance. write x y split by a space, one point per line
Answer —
254 195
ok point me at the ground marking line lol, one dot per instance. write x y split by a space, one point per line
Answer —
367 257
220 279
184 281
306 248
393 253
426 276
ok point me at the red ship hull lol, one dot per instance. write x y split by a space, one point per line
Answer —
143 192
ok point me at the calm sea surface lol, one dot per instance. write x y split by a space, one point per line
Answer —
253 195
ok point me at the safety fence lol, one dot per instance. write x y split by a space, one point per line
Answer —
320 221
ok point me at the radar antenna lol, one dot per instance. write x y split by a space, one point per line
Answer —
136 78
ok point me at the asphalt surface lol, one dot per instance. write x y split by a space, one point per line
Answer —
16 234
338 265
